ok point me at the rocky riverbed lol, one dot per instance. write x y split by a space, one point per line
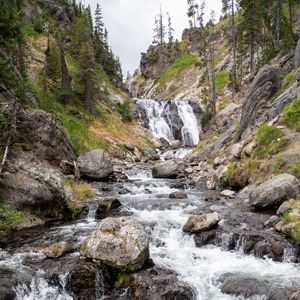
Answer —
238 256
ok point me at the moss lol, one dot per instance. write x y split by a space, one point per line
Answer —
291 115
185 62
268 141
76 212
296 168
200 147
123 278
9 219
287 218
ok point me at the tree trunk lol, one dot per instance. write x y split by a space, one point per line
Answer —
66 80
278 23
89 94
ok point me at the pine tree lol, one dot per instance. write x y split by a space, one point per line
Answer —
99 25
159 30
226 7
192 12
170 30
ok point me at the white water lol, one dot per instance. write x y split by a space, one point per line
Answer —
179 153
190 131
170 247
157 122
158 113
199 267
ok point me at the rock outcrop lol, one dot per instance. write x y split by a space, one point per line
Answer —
158 58
96 164
272 193
118 242
264 86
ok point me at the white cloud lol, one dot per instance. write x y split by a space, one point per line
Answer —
130 24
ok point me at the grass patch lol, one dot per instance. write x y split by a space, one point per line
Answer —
187 61
296 235
77 128
269 141
291 115
287 218
81 191
9 219
221 80
296 168
279 163
289 79
224 102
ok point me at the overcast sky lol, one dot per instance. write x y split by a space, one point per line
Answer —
130 24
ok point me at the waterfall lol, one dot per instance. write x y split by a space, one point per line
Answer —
157 122
191 129
160 119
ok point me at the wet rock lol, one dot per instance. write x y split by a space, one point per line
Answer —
228 193
275 191
96 164
178 195
272 221
88 280
168 169
264 86
119 242
176 144
159 283
9 280
198 223
106 206
295 295
57 250
247 286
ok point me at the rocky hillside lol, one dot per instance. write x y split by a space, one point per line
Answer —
60 96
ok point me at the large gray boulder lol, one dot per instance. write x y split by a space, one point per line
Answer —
168 169
199 223
275 191
264 86
297 55
118 242
96 164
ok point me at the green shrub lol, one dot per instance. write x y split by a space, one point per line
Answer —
289 79
185 62
296 235
291 115
296 168
124 111
279 163
9 219
286 218
267 138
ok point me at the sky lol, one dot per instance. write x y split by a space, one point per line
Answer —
130 24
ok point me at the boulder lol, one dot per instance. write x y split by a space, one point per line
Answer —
118 242
198 223
56 250
96 165
228 193
236 150
264 86
284 208
168 169
178 195
34 187
158 283
107 205
247 286
275 191
176 144
297 55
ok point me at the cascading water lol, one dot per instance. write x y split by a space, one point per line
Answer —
157 122
190 130
158 114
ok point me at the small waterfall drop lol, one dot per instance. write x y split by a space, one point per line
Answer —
160 121
157 122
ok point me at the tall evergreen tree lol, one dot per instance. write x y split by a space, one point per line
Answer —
159 30
170 30
192 12
99 25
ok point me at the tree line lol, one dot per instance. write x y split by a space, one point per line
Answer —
256 30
